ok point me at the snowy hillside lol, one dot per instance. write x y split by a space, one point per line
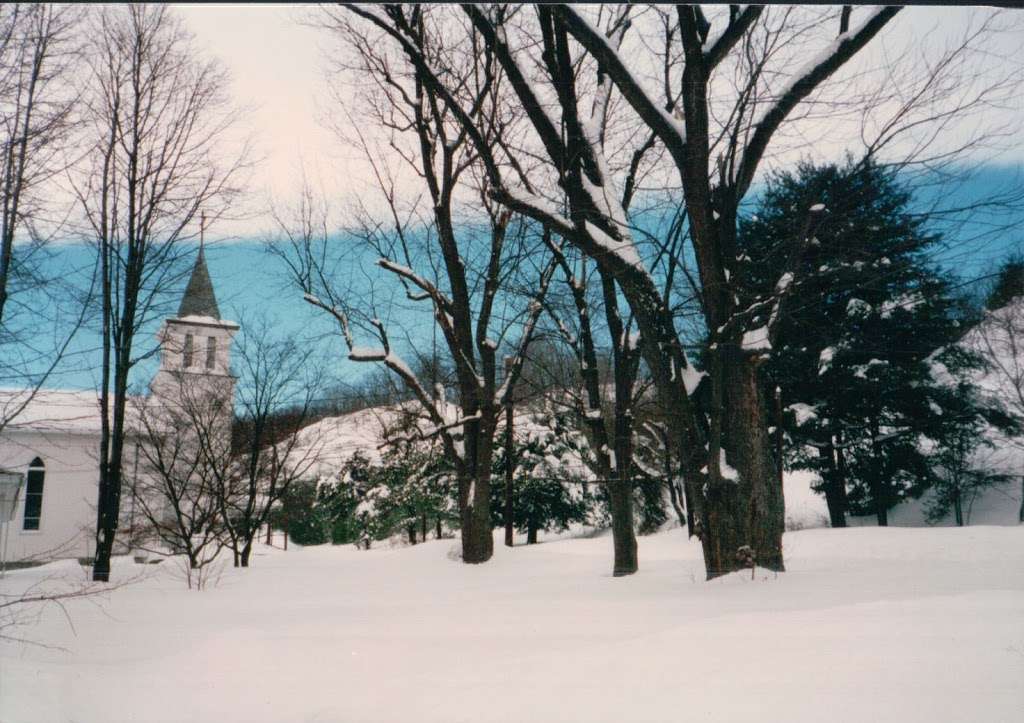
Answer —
867 624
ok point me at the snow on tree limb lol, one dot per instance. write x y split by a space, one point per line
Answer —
827 61
430 291
668 128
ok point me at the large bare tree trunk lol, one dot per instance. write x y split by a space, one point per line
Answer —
748 511
477 532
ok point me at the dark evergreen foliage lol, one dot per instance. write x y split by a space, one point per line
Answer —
546 494
300 515
1009 283
866 359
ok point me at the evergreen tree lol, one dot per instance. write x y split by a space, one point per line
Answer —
868 323
548 490
959 457
1009 283
301 515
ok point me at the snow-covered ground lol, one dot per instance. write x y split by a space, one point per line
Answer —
867 624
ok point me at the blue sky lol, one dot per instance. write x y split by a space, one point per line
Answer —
251 283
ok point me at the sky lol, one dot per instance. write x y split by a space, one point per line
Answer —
277 62
278 75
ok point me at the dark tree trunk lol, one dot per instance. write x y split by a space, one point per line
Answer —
270 534
109 503
246 552
877 480
531 533
437 528
958 509
475 492
620 497
674 494
691 529
411 532
106 524
423 527
835 485
510 471
748 511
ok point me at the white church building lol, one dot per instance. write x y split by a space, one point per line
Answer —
54 440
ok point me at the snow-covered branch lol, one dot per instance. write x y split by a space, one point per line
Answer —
803 82
429 289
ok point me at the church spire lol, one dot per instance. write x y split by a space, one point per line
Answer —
199 299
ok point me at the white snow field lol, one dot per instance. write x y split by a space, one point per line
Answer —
868 624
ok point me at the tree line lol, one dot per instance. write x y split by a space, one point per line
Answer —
575 177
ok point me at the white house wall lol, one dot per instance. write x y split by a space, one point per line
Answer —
68 518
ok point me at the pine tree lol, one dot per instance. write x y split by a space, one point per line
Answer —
548 492
1009 283
868 324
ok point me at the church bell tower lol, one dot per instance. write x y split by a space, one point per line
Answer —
195 346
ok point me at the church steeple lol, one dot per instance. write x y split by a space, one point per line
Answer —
196 345
199 299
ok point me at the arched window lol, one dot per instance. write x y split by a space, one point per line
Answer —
34 495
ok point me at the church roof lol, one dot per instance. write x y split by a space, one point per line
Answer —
55 410
199 299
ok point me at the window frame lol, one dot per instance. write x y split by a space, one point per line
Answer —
211 352
35 468
187 351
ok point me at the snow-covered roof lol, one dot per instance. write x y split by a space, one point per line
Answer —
51 410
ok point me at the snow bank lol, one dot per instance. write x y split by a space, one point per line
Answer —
887 624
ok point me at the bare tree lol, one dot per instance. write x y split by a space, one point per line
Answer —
270 449
999 339
606 418
431 255
183 441
39 46
157 114
731 86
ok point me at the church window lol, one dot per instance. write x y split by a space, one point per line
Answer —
34 495
187 352
211 351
